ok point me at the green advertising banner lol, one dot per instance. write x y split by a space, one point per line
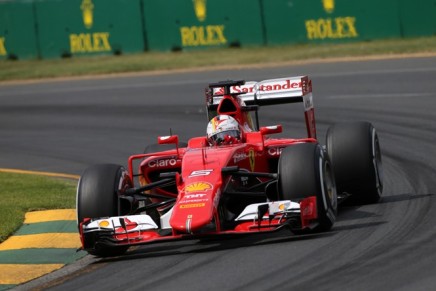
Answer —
17 30
197 24
330 20
418 18
89 27
31 29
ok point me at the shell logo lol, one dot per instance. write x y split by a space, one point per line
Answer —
87 8
198 186
329 5
200 9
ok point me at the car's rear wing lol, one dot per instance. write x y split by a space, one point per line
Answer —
268 92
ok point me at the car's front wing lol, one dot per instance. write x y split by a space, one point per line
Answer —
140 229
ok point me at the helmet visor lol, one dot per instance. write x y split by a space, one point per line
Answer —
220 137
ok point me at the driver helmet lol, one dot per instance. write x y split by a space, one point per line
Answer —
223 130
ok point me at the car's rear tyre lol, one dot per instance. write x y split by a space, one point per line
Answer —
304 170
355 154
97 196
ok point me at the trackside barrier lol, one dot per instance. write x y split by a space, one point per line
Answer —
418 18
17 30
196 24
88 27
31 29
330 20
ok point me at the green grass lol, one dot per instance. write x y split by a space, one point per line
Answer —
20 193
152 61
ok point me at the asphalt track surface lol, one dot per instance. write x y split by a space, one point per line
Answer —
65 126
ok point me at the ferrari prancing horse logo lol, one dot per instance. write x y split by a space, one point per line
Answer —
251 155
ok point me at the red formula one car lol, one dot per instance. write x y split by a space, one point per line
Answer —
238 179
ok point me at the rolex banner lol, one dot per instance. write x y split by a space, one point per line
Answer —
31 29
173 25
316 21
88 27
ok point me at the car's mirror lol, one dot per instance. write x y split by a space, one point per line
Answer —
264 130
169 139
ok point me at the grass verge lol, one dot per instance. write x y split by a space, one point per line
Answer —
151 61
20 193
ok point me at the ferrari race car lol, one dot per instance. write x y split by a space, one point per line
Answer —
257 183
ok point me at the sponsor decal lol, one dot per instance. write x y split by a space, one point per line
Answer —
200 173
162 163
193 201
202 35
191 196
331 28
251 155
194 198
239 157
87 8
308 101
3 51
275 151
328 28
329 5
209 35
89 42
286 85
200 9
198 187
192 205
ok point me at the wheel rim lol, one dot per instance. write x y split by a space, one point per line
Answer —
329 194
377 162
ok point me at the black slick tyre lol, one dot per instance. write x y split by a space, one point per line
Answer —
97 196
304 170
355 154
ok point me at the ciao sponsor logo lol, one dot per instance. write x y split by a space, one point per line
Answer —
192 205
198 187
162 163
275 151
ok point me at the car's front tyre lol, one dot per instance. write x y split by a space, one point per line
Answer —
304 170
97 196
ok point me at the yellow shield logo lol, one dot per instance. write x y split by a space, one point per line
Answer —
87 13
198 187
329 5
200 9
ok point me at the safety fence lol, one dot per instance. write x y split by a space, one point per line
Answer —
41 29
